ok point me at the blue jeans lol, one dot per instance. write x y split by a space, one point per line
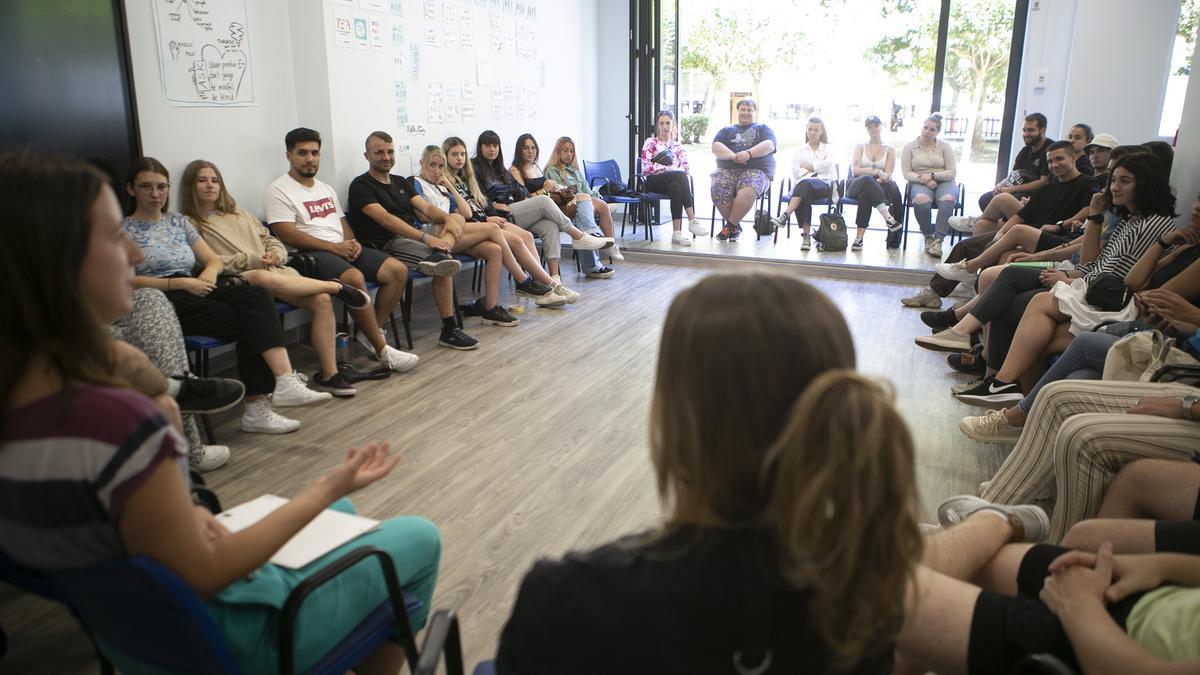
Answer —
1083 360
945 209
585 220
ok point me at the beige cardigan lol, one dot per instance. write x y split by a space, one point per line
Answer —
939 159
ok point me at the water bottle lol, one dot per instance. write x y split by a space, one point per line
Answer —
342 347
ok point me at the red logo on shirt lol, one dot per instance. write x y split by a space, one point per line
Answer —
320 208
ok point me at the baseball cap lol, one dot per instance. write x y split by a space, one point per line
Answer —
1103 140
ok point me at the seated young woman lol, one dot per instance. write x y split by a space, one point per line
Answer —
525 171
536 213
171 252
247 249
815 173
524 265
562 169
110 480
788 538
665 168
872 185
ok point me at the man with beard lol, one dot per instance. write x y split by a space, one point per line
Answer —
1030 164
306 216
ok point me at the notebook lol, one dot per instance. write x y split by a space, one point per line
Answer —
326 532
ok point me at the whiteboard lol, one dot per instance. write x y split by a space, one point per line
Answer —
204 52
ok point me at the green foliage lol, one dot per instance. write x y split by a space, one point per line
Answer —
723 43
692 128
1189 22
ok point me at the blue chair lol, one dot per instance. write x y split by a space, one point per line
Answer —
653 203
785 196
142 617
607 172
763 204
959 208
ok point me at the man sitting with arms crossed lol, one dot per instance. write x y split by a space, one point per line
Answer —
304 213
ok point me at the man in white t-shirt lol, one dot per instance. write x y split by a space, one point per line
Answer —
305 215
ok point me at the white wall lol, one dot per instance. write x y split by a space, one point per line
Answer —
1106 64
301 78
245 142
612 85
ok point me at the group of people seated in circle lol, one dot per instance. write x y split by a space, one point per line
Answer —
790 541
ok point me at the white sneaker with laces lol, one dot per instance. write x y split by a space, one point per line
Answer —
956 270
292 390
963 223
615 254
399 361
590 242
209 457
696 228
260 418
991 427
926 298
571 297
681 238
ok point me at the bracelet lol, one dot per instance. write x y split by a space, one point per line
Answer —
168 283
1162 243
423 235
1188 401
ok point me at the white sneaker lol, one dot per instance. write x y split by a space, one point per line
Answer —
590 242
260 418
696 228
926 298
291 390
562 292
681 238
963 223
935 248
615 254
556 279
399 361
209 457
956 270
964 291
361 337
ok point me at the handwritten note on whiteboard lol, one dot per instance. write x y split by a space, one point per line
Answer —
204 52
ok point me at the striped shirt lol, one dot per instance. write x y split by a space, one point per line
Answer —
69 462
1134 234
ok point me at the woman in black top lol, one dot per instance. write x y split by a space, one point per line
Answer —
789 535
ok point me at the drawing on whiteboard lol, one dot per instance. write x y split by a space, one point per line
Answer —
204 52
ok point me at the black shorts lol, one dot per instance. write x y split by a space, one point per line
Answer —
1178 536
1049 240
330 266
1005 628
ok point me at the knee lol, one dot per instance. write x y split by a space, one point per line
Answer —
322 303
392 271
1085 535
948 199
353 277
921 200
489 250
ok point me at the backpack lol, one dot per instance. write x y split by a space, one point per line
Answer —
763 226
831 233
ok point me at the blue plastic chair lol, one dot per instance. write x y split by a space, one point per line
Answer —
785 196
142 617
653 202
605 172
442 640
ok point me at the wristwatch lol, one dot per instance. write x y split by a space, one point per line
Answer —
1096 217
1188 401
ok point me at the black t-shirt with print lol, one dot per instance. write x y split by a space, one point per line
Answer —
1033 161
1058 201
395 197
738 138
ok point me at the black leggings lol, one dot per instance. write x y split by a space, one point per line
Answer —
1003 305
243 313
808 191
869 193
674 183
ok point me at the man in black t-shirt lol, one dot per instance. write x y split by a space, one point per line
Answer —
1030 164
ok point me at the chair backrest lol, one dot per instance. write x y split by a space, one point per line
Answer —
607 169
140 613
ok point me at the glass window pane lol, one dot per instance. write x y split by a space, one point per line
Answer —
1181 68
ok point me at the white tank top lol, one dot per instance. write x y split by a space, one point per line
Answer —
866 163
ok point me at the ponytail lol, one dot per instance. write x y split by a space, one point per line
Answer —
843 499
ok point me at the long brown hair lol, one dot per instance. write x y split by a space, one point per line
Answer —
780 433
555 159
467 173
140 165
189 205
42 249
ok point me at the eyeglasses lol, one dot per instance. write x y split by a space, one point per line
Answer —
153 187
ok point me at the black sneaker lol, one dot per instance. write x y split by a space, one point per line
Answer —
205 395
939 319
499 316
336 384
471 309
532 288
455 338
991 393
439 264
971 363
353 297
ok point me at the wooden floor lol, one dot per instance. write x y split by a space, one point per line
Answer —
534 444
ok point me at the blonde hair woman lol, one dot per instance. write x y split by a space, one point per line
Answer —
563 169
790 537
930 168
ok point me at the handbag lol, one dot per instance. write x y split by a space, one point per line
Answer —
666 157
763 226
564 198
1107 292
831 233
1138 356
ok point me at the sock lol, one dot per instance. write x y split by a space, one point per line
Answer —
449 324
174 386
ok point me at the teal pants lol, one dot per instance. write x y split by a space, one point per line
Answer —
248 611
